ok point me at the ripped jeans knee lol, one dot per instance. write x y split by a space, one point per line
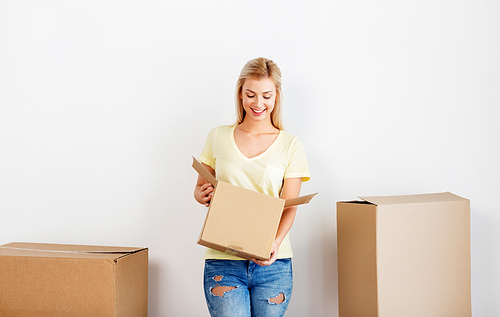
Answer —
243 288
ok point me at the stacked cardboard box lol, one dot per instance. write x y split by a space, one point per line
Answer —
404 256
73 280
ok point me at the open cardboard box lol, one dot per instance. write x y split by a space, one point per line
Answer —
240 221
404 256
73 280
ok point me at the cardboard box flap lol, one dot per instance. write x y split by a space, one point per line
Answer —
412 199
204 172
299 200
45 249
211 179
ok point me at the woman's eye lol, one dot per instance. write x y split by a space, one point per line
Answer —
267 97
250 96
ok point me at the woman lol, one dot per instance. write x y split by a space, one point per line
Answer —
256 154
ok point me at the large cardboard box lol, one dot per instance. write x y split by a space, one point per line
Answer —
404 256
73 280
240 221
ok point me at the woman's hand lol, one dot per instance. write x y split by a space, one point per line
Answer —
272 259
206 191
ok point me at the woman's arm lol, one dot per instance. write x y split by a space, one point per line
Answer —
204 190
291 189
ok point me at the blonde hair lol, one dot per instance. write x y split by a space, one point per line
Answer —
260 68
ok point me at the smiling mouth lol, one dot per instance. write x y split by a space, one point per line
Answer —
258 112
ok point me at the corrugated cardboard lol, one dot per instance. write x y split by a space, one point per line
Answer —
404 256
73 280
240 221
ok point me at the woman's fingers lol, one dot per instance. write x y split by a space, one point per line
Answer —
206 191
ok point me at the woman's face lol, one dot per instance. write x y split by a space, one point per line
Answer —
258 96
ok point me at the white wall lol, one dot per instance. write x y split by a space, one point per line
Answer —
102 104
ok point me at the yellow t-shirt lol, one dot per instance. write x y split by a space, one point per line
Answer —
285 158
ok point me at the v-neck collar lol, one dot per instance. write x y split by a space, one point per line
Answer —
233 142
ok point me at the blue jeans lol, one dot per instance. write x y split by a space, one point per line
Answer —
242 288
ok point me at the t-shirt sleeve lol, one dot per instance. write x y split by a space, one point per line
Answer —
207 154
297 164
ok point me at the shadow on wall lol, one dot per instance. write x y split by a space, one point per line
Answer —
320 267
329 265
154 281
485 276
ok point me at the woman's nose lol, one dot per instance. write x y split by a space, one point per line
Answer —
260 101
